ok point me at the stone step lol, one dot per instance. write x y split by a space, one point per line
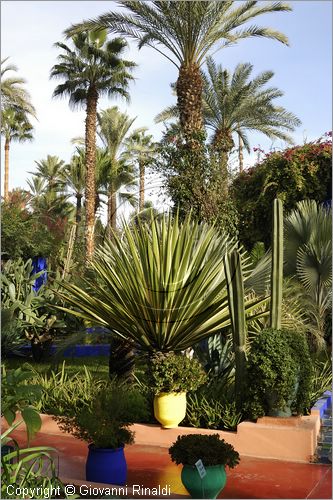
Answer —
326 422
326 431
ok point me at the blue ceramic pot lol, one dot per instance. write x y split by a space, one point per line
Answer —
106 465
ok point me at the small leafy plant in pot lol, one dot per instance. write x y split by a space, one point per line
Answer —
104 424
279 374
171 376
215 454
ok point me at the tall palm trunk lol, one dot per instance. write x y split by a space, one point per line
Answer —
112 199
240 154
113 211
78 208
91 118
6 183
142 186
189 89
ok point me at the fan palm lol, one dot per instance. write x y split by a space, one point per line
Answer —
94 67
308 256
113 129
141 147
161 287
185 32
15 126
13 94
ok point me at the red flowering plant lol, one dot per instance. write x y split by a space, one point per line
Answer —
294 174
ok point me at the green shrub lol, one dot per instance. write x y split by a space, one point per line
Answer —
297 173
24 235
175 373
279 361
105 420
193 181
212 450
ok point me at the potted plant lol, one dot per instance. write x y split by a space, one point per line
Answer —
279 374
171 376
214 453
104 424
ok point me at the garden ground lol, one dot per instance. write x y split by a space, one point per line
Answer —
151 466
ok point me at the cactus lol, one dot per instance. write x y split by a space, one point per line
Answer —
277 266
235 287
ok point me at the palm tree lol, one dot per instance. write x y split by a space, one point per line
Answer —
235 104
13 95
37 187
113 128
15 126
93 68
141 147
308 258
185 32
51 171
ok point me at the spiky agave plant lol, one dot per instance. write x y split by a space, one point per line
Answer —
162 287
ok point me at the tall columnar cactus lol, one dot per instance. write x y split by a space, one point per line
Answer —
277 266
235 287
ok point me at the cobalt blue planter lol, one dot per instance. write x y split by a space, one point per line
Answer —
106 465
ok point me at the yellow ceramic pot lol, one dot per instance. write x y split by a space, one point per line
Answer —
170 408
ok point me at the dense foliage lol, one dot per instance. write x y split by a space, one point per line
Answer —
23 234
32 316
193 181
105 420
279 372
175 373
212 450
297 173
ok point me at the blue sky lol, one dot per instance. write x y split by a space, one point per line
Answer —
303 71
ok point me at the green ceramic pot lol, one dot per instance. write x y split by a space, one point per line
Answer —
208 487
